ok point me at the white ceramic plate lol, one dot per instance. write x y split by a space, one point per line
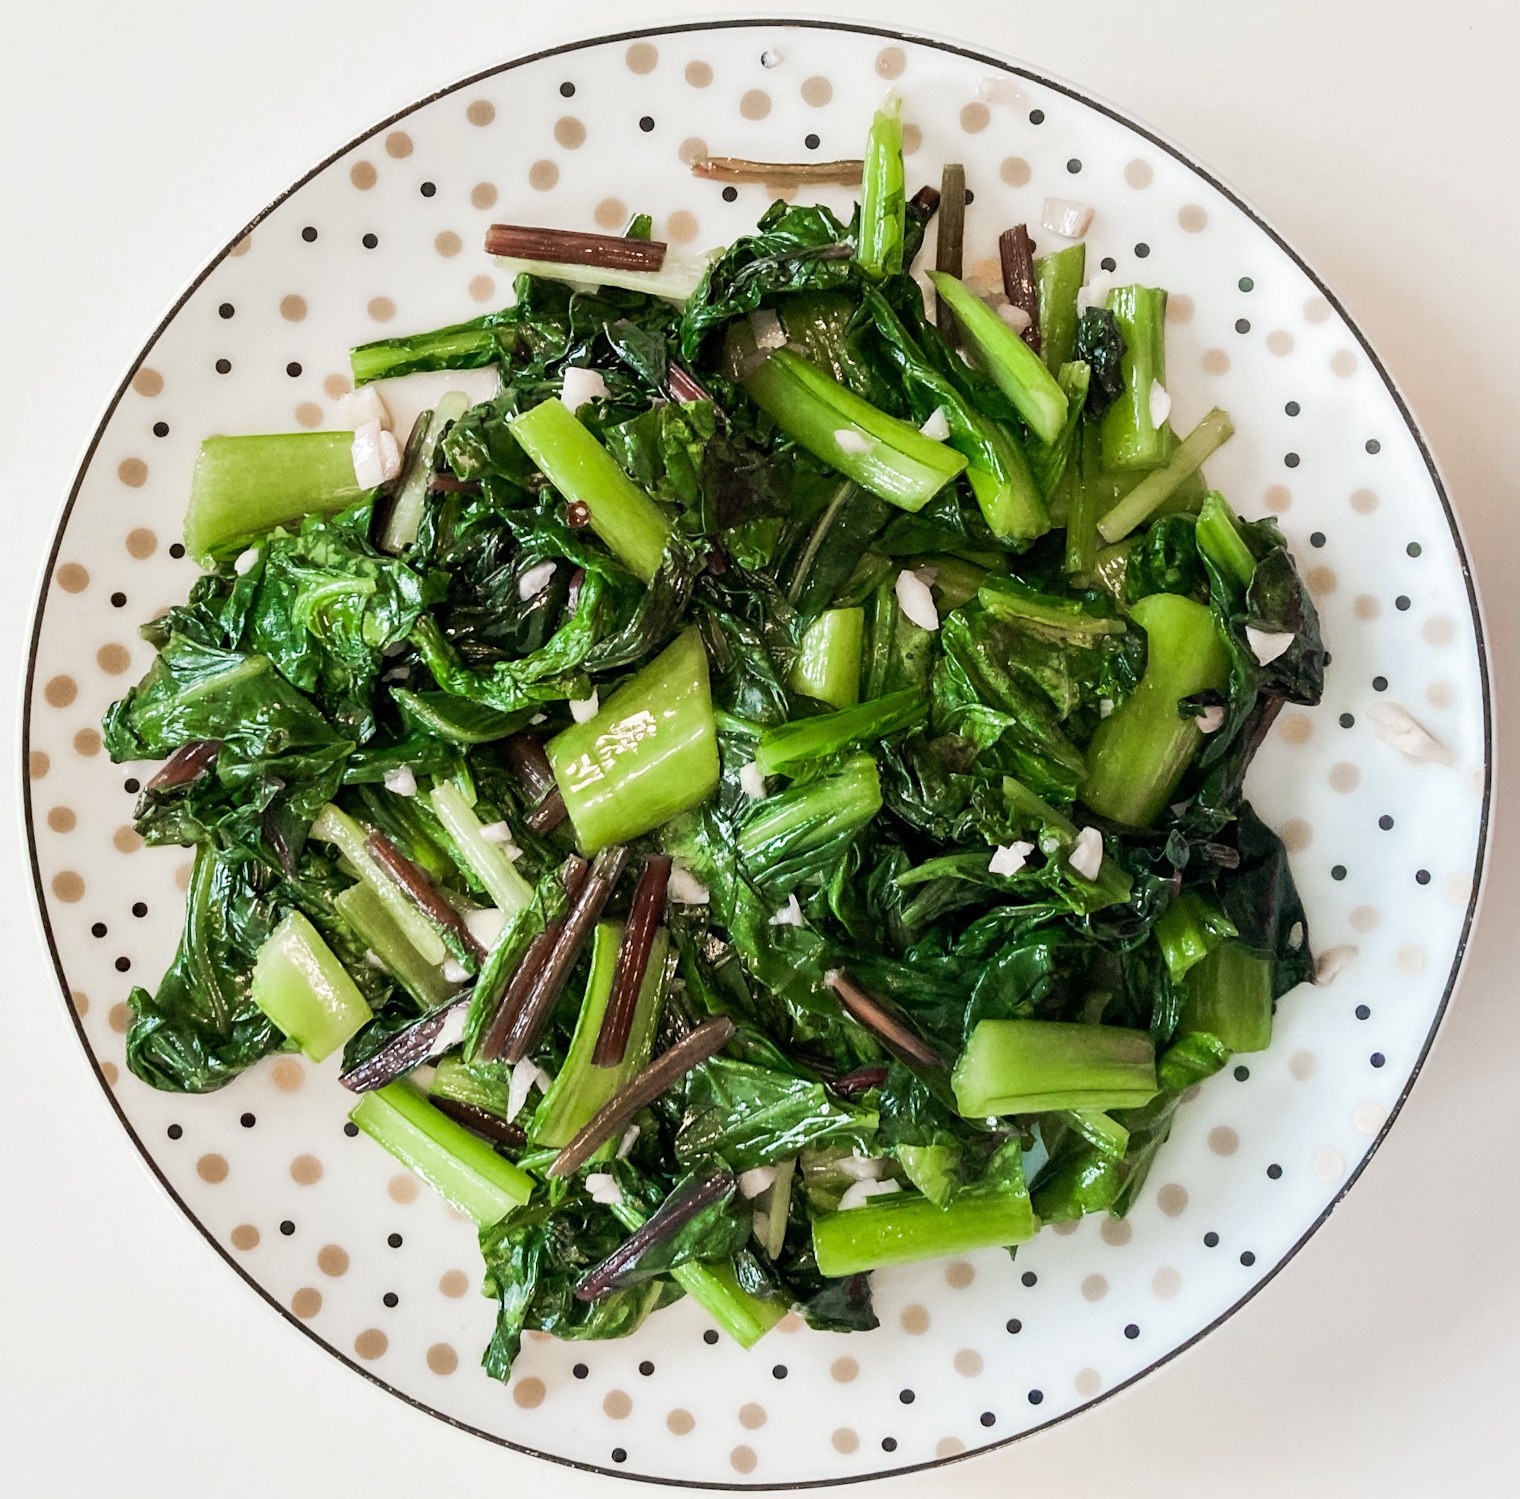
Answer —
385 235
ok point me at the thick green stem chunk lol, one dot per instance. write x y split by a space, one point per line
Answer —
828 664
1035 1066
305 990
1131 439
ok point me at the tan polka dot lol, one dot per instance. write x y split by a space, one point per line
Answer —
87 742
845 1440
1191 218
305 1170
308 414
480 112
119 1017
543 175
337 386
306 1303
1458 889
245 1236
182 875
680 1422
617 1405
914 1318
1179 308
1216 361
1061 1230
38 762
1440 695
817 91
890 62
292 307
1088 1382
141 543
1364 501
1438 630
844 1369
967 1362
913 138
959 1274
699 74
1115 1231
371 1343
1277 498
442 1359
447 243
363 175
986 272
403 1187
113 659
68 886
755 104
791 1323
743 1459
1094 1288
752 1417
483 195
454 1283
529 1393
1316 310
110 1072
62 819
381 309
80 1000
1223 1140
610 213
1138 173
1365 919
72 578
1172 1199
1369 1118
1303 1065
569 132
642 57
693 148
1295 727
126 840
398 144
1329 1166
148 382
975 117
1344 777
212 1168
1343 363
1166 1283
1014 170
332 1259
948 1447
1367 606
60 691
681 227
1409 959
482 288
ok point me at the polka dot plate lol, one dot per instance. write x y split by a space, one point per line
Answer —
384 235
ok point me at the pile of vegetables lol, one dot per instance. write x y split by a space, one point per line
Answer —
758 798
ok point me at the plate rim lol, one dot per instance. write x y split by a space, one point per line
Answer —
992 59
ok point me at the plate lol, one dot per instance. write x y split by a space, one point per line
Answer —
384 236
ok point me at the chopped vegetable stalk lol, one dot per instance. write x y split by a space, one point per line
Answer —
828 662
1138 753
1219 538
582 470
486 860
640 949
1058 279
305 990
883 207
1034 1066
771 1210
485 1085
243 487
406 509
650 752
1016 257
1017 370
461 1167
462 346
676 280
1188 931
949 245
1157 488
580 1088
1100 1130
334 826
376 927
568 247
887 456
846 173
785 746
1083 505
1131 437
898 1229
1229 997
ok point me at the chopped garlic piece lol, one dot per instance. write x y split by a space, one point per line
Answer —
788 915
862 1167
535 580
751 781
1211 720
1086 856
936 425
525 1074
857 1194
486 925
601 1186
580 386
630 1138
1095 292
583 709
1268 645
369 466
685 888
401 781
1330 962
756 1180
1066 217
361 407
501 833
916 601
246 562
454 972
1161 403
1015 317
1009 858
1396 726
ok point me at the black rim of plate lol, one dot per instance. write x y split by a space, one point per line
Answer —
990 61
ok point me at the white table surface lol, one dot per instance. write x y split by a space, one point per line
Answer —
1379 135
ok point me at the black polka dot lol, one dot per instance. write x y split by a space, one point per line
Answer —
1014 1325
1385 822
1347 720
1247 1258
1029 1277
247 1121
177 549
619 1455
131 785
1246 284
293 370
1036 1396
1380 684
287 1228
1413 549
730 194
123 964
1036 116
118 601
1401 603
224 366
1274 1171
1290 460
394 1240
970 197
907 1397
391 1299
160 429
1338 872
1142 250
1074 166
1242 325
1316 538
811 142
1109 263
580 1371
1422 877
226 310
1373 445
778 1371
428 189
1363 1012
1242 1073
988 1419
174 1131
646 1368
710 1336
567 91
370 241
1131 1331
139 908
351 1130
1211 1240
1293 408
308 234
1377 1059
646 124
889 1444
99 929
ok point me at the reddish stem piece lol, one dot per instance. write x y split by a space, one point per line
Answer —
188 763
644 918
610 252
424 893
1016 253
889 1028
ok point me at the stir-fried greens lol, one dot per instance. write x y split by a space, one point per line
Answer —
759 797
